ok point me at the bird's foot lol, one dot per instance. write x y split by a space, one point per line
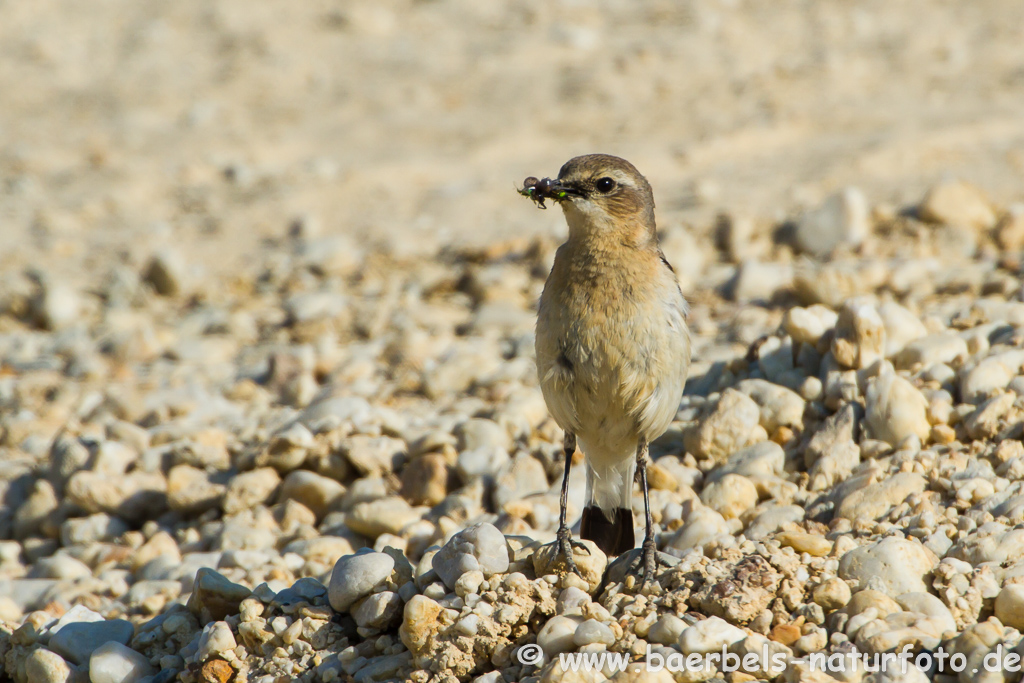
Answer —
566 545
645 564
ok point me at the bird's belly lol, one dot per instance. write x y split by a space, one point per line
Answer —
606 423
610 403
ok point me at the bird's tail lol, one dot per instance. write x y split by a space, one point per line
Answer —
608 515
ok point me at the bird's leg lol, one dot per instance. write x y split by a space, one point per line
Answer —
648 559
564 537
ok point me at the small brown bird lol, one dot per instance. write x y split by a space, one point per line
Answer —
613 349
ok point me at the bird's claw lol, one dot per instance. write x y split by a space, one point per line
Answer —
645 564
566 545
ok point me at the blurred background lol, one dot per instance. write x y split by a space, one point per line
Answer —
267 296
214 125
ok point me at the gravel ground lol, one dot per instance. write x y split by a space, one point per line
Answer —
272 418
338 468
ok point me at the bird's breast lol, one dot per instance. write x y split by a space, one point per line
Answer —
612 348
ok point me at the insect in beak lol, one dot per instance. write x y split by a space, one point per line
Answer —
546 188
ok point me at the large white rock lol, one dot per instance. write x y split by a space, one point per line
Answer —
117 663
481 547
558 635
355 577
896 410
82 630
893 565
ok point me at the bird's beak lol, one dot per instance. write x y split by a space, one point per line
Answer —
560 191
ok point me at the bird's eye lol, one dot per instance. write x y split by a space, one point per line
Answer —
605 185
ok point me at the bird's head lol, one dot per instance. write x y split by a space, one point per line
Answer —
601 195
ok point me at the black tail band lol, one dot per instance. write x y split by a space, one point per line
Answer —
612 537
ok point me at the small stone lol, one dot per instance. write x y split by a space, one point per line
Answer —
113 662
764 459
483 462
1010 231
808 325
572 600
216 671
1009 606
161 545
387 515
44 666
992 374
373 456
322 551
757 281
731 425
985 422
548 560
895 409
730 496
137 495
593 631
166 273
957 203
860 335
100 527
930 606
378 610
802 542
786 634
67 456
425 480
901 327
868 599
480 547
482 433
216 639
190 491
832 594
709 635
59 566
742 595
76 641
419 623
558 635
842 219
288 448
249 489
524 476
356 576
317 492
469 583
771 519
56 306
702 526
214 597
780 407
835 464
875 501
666 630
40 506
931 349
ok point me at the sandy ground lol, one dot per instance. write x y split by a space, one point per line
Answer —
213 125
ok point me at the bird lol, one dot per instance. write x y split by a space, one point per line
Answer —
612 346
